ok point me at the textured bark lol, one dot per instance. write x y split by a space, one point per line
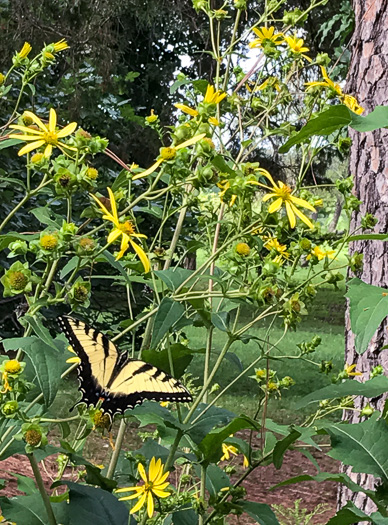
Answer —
368 81
337 214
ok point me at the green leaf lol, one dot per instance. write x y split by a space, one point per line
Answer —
220 163
90 505
348 515
116 265
9 142
260 512
47 364
94 477
152 413
369 237
181 357
14 343
5 240
174 277
378 118
155 211
221 321
216 479
185 517
30 510
212 418
25 484
168 314
359 445
211 445
69 267
41 331
282 446
368 308
372 388
326 123
48 217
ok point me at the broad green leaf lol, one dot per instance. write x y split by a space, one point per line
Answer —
378 118
181 357
41 331
185 517
155 211
152 413
30 510
360 446
282 446
372 388
14 343
348 515
69 267
25 484
216 478
5 240
221 321
260 512
220 163
90 505
94 477
48 217
211 419
368 308
211 445
174 277
168 314
4 144
116 265
326 123
47 364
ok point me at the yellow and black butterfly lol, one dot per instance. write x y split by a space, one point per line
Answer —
113 380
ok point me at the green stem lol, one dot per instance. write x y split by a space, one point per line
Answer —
14 210
174 446
43 493
202 492
119 443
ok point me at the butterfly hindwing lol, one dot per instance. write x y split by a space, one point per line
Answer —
121 383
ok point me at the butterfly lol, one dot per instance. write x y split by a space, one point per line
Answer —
112 379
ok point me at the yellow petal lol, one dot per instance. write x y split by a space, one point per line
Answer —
269 196
150 505
161 493
48 150
125 240
187 109
24 137
30 147
302 217
150 170
191 141
36 119
275 205
113 203
139 504
142 472
266 174
67 130
108 216
162 478
142 256
153 469
128 489
115 234
302 202
61 145
52 120
290 213
132 496
25 129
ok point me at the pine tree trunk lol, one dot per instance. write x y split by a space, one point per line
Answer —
368 81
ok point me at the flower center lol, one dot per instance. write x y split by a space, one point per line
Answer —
127 227
50 138
284 192
148 486
168 153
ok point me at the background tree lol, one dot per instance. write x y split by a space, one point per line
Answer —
368 80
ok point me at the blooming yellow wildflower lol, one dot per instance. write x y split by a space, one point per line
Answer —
152 117
25 50
274 244
283 196
228 450
213 121
12 366
224 185
169 154
264 35
321 254
154 485
349 370
212 96
49 241
44 136
327 83
61 45
125 230
296 46
352 104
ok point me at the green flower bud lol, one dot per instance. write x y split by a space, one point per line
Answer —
322 59
326 367
344 185
355 262
305 244
10 408
344 144
369 221
200 4
377 371
18 279
367 411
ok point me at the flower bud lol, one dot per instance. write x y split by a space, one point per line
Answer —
243 249
12 366
18 280
33 437
49 241
10 408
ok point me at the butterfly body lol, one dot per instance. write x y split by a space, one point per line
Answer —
113 379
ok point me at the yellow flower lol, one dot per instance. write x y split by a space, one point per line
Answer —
283 196
266 34
169 154
125 230
212 96
327 82
187 109
296 46
12 366
133 166
274 244
349 370
214 121
25 50
154 485
75 359
61 45
352 104
152 118
6 386
242 248
270 82
224 185
45 136
321 254
228 450
49 241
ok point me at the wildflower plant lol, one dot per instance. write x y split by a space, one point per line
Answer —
210 191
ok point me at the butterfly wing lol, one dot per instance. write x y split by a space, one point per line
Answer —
121 383
98 356
135 381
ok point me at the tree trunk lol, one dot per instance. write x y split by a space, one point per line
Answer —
337 214
368 81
